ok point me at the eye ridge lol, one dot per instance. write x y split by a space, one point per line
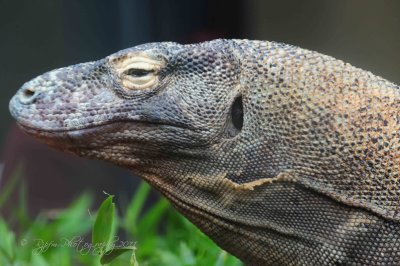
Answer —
137 72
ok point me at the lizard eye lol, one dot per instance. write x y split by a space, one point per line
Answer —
138 79
138 72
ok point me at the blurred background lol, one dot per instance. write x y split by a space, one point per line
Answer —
38 36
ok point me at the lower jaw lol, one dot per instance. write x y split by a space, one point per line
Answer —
67 141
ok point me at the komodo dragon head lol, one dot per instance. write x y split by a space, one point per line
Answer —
280 155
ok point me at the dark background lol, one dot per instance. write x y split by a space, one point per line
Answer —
40 35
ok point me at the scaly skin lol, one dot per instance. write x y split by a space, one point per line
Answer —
281 155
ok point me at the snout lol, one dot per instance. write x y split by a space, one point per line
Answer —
24 101
33 102
27 94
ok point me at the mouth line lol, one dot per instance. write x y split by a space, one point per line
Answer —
91 128
78 139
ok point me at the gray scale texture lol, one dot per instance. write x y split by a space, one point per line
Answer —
311 178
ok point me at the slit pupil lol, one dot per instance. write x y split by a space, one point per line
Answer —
138 72
237 113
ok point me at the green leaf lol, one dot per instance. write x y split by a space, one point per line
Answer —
152 218
73 221
39 260
148 228
133 261
22 210
7 240
102 228
8 247
165 257
135 207
110 255
9 187
186 254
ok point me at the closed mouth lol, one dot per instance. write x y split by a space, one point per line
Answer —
108 126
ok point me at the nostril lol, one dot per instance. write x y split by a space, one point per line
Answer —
28 95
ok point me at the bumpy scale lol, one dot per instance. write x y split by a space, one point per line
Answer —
281 155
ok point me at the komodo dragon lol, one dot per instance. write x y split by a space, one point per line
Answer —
281 155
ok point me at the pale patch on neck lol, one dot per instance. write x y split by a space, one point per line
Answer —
283 176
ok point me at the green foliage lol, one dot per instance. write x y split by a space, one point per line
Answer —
154 236
103 225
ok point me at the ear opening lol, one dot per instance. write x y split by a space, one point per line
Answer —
237 113
235 118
